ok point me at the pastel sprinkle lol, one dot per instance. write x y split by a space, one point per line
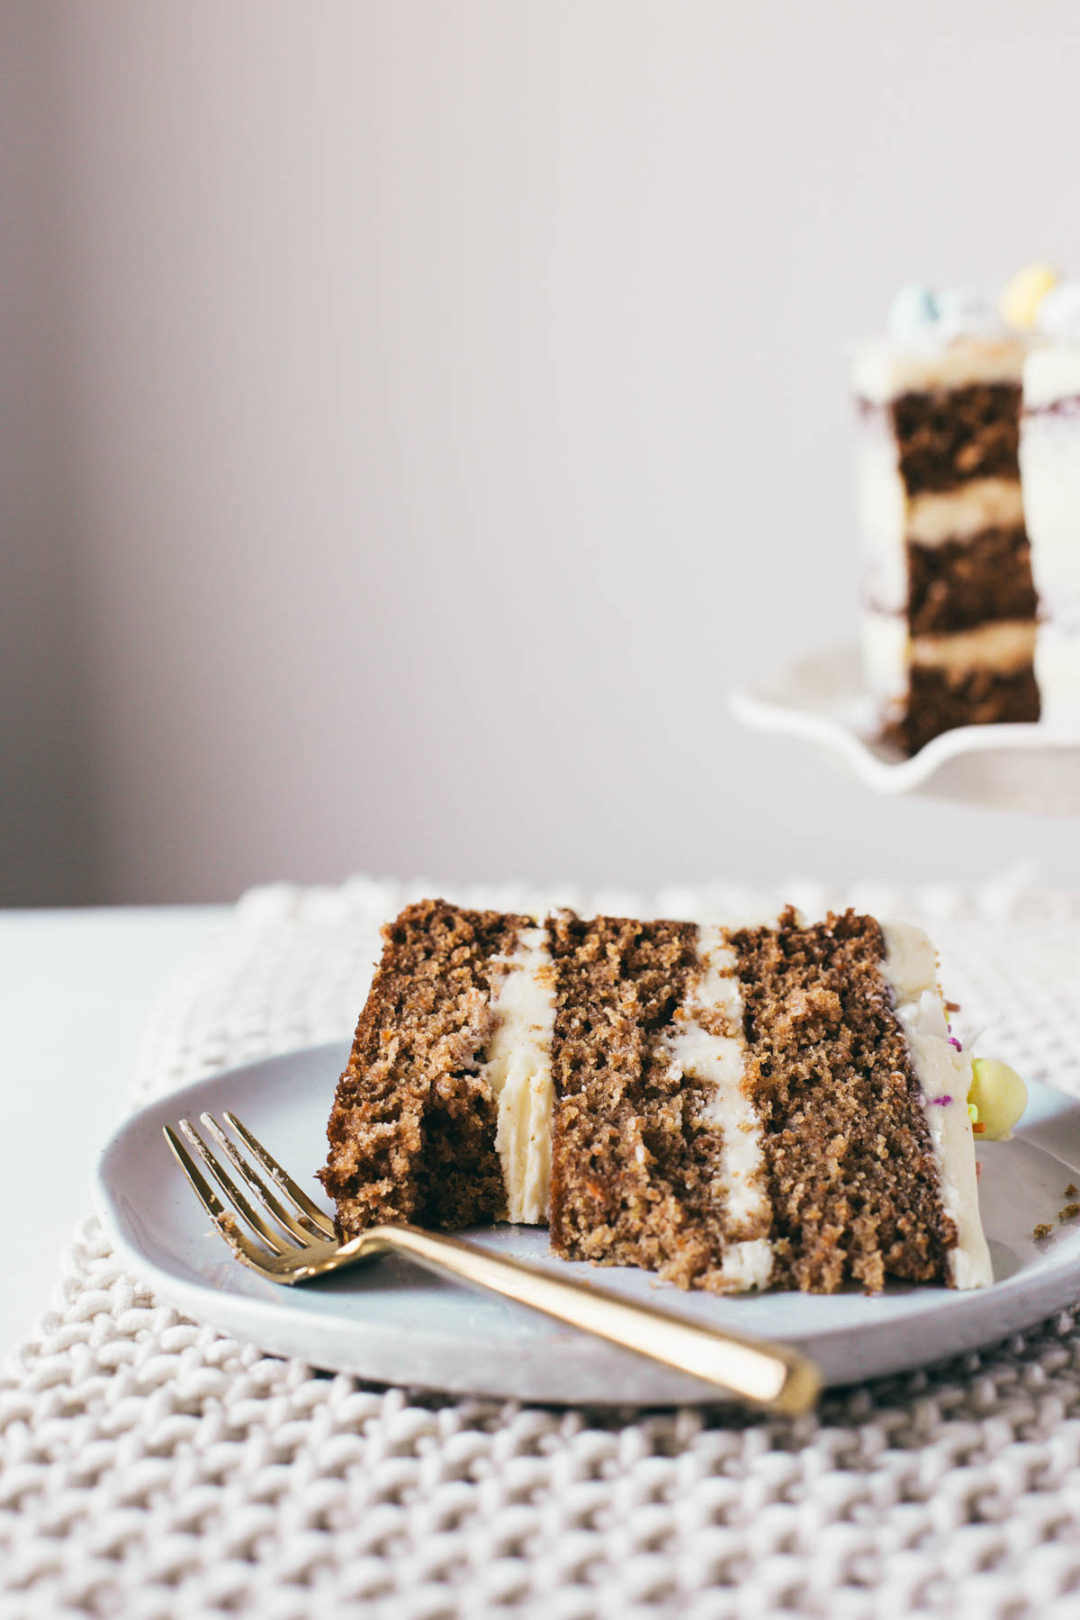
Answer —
942 1102
954 1042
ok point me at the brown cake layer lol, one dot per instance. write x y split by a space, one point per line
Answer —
633 1167
964 583
946 438
412 1132
939 701
851 1170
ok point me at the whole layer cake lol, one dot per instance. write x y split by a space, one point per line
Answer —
949 606
733 1106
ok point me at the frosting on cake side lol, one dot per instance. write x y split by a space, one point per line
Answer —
944 1075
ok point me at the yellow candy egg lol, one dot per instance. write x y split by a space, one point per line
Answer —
1021 299
1000 1097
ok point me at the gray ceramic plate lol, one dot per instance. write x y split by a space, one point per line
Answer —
393 1323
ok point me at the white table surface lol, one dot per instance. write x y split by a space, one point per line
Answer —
77 989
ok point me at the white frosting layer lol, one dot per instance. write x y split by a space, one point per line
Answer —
1050 465
885 368
518 1070
944 1076
1057 313
1050 468
1006 647
882 508
984 503
1051 373
885 655
719 1061
1057 670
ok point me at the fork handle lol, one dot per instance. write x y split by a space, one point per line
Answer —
773 1377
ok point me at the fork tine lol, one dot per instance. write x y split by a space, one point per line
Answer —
273 1240
256 1183
241 1246
283 1180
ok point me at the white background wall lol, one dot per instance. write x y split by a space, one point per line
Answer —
418 415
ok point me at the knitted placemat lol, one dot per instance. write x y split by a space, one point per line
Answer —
150 1467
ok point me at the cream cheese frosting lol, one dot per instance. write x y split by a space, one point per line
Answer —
1002 645
1050 464
719 1060
885 654
1052 373
518 1070
932 519
885 368
944 1076
1050 469
1057 670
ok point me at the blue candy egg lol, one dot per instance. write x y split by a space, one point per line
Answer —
912 310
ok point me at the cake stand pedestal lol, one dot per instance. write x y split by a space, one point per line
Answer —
822 700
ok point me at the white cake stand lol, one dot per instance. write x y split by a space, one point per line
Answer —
1015 767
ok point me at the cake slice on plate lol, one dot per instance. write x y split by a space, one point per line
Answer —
732 1106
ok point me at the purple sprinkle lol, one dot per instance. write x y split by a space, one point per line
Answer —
942 1102
954 1042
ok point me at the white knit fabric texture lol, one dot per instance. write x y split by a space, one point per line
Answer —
151 1468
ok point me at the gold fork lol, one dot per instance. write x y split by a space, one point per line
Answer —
295 1244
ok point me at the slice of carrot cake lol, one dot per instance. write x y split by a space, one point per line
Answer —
733 1107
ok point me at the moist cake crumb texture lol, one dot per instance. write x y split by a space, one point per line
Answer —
946 436
412 1134
731 1107
851 1171
960 584
634 1163
939 701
